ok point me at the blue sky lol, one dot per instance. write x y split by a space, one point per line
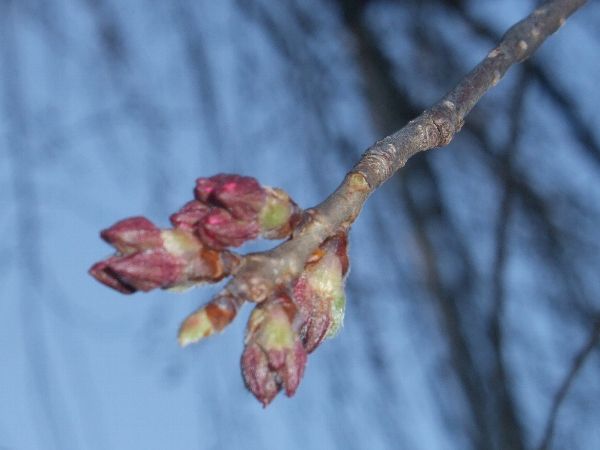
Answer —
91 133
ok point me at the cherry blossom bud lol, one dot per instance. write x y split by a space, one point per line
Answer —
220 229
260 379
150 258
242 196
319 292
208 320
102 272
188 217
231 209
147 270
132 234
274 356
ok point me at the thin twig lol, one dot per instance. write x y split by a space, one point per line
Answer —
260 273
565 386
567 105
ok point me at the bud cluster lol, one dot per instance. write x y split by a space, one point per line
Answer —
227 211
231 209
284 329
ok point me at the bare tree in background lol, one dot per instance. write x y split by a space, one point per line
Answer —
479 240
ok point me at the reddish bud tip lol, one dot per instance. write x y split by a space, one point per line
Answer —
237 209
133 234
147 270
187 218
319 292
258 376
294 368
178 260
242 196
315 312
101 271
274 352
220 229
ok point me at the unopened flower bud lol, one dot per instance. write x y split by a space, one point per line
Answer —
147 270
241 196
151 258
224 213
319 292
274 356
231 209
132 234
220 229
102 272
258 376
188 217
210 319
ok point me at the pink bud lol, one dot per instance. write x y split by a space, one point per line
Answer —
147 270
242 196
315 311
232 209
187 218
177 261
259 377
206 186
274 356
133 234
293 369
220 229
101 271
319 291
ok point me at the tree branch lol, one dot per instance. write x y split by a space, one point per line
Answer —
563 390
299 284
260 273
566 104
